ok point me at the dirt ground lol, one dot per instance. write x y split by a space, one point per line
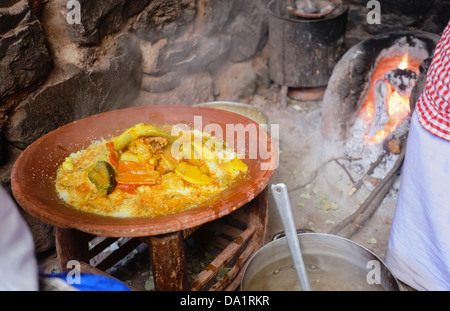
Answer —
319 185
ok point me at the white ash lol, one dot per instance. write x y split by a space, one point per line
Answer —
381 117
365 154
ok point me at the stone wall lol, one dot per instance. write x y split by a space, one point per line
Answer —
54 72
123 53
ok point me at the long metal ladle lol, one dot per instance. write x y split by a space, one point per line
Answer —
281 197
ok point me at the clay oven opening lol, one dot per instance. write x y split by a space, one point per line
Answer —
387 104
369 99
369 92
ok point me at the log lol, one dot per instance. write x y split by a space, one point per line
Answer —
358 218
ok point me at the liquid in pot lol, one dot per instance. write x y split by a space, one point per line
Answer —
325 273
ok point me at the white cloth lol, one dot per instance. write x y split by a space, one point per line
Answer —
418 251
18 264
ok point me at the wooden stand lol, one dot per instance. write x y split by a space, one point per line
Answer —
167 253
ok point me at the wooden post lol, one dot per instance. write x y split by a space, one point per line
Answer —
258 211
71 244
168 262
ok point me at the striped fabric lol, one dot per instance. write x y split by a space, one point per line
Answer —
433 106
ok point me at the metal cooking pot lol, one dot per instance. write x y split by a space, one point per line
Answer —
333 263
303 52
250 111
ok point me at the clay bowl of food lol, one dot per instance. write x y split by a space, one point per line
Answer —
144 171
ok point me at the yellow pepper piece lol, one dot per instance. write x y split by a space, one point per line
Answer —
129 156
68 164
234 166
195 162
203 152
139 130
192 174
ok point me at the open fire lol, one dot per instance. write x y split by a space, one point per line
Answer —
387 103
382 121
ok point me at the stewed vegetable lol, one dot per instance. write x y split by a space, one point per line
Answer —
103 177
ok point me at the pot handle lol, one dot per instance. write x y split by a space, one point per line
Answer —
282 234
281 197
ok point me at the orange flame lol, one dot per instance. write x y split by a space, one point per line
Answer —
404 64
397 106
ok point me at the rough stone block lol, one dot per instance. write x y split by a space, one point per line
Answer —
24 57
72 93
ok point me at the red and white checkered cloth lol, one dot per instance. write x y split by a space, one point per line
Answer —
433 106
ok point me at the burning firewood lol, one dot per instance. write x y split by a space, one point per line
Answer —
372 167
381 115
402 80
393 145
348 226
